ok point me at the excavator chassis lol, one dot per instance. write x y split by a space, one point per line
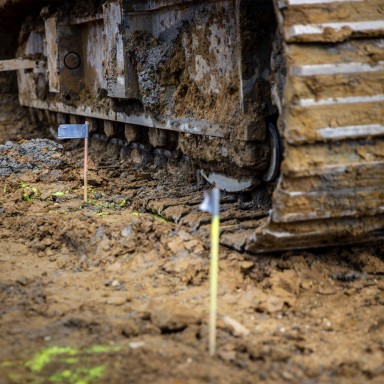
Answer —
216 74
170 66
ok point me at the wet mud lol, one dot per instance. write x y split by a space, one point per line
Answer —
113 291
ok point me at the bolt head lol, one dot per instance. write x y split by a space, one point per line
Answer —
72 60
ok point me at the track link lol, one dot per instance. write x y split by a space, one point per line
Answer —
330 191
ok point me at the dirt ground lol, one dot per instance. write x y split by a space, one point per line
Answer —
105 292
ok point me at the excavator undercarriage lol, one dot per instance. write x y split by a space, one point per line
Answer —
282 95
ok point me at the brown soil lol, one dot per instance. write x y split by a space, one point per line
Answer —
107 294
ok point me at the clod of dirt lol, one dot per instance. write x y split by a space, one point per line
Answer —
171 319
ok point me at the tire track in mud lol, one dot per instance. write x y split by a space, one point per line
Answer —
180 205
171 188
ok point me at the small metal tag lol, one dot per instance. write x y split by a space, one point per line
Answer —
73 131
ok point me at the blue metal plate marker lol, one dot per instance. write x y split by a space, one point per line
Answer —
73 131
78 131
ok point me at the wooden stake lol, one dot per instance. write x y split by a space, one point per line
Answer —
213 282
86 165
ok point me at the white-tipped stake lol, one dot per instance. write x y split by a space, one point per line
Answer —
78 131
211 204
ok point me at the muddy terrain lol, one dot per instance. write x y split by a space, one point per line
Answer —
111 291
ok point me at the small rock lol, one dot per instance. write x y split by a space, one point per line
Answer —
105 246
327 325
326 290
246 266
306 284
191 244
227 355
236 328
184 235
126 232
136 344
23 281
130 328
116 301
176 245
272 304
287 376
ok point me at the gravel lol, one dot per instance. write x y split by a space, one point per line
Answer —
32 155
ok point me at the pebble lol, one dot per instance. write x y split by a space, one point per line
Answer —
116 301
327 325
136 344
126 232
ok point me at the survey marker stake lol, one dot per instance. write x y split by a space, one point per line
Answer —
211 204
78 131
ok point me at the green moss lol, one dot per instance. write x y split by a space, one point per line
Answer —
102 349
47 355
159 217
78 375
75 365
44 357
29 193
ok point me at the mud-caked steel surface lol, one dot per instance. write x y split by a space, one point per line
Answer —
331 185
200 69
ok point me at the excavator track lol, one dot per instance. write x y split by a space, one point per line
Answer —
331 186
163 186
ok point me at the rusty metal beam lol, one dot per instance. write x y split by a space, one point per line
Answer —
16 64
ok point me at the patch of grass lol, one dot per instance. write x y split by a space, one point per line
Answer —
102 213
61 212
59 193
44 357
78 375
159 217
100 205
75 366
123 203
54 195
70 356
29 193
102 349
